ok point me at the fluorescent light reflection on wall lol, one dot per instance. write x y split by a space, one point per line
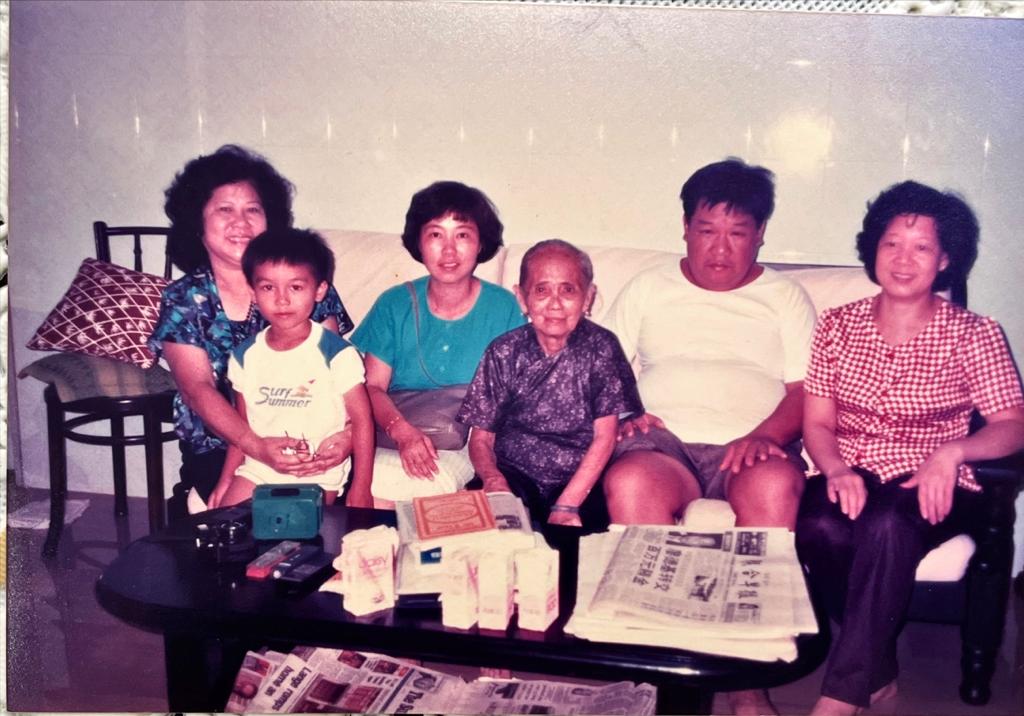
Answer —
800 142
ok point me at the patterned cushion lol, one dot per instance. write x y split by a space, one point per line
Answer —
108 311
77 376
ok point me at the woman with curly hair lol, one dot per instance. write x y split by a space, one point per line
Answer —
217 204
892 384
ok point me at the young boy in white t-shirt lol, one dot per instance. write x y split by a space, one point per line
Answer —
296 378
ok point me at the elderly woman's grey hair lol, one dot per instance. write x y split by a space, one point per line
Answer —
557 246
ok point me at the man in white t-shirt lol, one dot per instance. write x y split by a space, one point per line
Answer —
723 344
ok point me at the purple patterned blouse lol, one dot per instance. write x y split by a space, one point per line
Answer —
542 409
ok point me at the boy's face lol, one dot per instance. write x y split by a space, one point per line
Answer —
286 294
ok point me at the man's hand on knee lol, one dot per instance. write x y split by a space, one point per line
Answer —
748 451
640 424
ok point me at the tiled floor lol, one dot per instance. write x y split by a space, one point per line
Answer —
66 654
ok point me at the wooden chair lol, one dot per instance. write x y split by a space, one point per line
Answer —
977 602
138 392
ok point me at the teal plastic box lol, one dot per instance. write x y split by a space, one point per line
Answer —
287 512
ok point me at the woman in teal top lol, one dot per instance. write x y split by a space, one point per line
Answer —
449 228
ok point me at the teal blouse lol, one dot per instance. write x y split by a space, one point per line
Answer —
451 350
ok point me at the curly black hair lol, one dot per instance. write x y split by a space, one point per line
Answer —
194 185
461 201
955 223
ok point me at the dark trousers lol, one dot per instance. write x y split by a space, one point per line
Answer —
863 572
593 511
198 470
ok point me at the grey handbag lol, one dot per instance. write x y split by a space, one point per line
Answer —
432 411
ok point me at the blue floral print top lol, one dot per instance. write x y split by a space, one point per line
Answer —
191 313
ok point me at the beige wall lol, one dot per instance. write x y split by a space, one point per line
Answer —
580 122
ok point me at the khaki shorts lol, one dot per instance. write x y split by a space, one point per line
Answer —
701 459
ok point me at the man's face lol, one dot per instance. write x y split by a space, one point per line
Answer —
721 247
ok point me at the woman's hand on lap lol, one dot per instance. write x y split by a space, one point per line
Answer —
278 453
418 454
935 481
847 488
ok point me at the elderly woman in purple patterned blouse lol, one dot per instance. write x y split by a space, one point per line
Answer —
545 402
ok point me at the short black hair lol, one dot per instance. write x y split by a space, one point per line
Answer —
194 185
295 247
464 203
557 246
735 183
955 224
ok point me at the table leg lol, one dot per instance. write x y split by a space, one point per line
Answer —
675 699
200 671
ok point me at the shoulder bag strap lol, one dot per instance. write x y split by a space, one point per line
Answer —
416 319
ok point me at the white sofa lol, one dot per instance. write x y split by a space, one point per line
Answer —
952 585
369 262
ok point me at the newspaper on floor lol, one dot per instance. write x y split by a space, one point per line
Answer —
256 666
723 638
335 680
36 515
513 696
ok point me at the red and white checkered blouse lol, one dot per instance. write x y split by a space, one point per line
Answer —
896 404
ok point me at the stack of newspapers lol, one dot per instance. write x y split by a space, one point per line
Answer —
737 592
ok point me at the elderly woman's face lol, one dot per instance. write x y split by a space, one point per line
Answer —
555 297
449 247
232 218
909 256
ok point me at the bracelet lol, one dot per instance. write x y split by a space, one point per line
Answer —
572 510
391 424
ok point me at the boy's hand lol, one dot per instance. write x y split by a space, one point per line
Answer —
331 452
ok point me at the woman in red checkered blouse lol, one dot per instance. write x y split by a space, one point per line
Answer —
890 391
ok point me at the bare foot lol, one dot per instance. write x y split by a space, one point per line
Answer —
753 702
886 692
828 706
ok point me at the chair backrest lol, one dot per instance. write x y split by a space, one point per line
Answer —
102 233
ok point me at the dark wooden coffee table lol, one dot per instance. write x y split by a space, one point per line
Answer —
211 614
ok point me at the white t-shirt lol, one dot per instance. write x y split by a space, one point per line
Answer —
298 392
713 364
